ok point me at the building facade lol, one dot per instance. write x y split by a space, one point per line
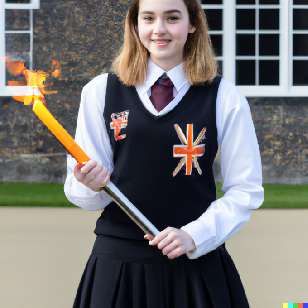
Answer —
261 46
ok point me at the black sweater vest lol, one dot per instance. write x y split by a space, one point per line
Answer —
163 164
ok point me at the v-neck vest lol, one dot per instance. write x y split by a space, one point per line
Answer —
163 164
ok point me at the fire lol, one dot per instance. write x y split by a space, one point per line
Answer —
35 79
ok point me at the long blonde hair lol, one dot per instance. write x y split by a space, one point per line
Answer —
200 65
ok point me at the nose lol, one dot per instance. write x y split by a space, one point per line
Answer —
159 26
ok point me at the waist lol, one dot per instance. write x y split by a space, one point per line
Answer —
124 249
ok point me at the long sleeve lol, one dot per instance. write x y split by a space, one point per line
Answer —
241 173
92 136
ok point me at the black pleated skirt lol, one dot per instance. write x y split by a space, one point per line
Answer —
123 273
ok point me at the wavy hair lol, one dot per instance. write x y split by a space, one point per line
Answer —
200 65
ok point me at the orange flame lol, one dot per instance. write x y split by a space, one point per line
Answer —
37 80
34 79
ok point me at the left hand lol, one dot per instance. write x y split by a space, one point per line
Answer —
172 241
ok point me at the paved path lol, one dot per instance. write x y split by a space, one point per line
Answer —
44 251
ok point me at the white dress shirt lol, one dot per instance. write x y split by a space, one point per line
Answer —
239 156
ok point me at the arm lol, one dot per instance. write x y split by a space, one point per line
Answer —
91 135
241 172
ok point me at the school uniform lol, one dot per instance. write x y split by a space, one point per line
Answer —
162 161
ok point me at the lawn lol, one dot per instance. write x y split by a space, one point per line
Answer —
51 195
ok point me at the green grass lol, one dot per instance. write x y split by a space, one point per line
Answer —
32 194
52 195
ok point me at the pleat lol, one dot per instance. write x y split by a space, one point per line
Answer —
84 291
214 278
198 294
106 282
154 287
237 293
138 285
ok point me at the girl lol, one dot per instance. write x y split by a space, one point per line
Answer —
153 127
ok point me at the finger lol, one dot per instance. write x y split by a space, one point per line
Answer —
92 176
80 165
102 178
148 236
78 175
88 166
172 246
105 178
165 242
159 237
175 253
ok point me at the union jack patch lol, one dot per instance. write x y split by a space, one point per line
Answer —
189 150
118 122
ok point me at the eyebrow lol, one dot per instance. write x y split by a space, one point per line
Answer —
166 12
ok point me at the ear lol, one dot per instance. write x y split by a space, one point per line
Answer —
136 29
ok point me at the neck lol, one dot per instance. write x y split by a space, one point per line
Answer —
165 65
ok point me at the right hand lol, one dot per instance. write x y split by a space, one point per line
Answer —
92 175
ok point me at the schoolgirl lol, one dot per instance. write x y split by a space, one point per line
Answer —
153 127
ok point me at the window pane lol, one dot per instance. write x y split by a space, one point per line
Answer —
300 19
17 20
269 44
17 42
220 67
245 1
18 1
300 44
245 72
212 2
214 18
269 19
300 72
269 72
245 19
217 44
268 1
300 1
245 45
18 56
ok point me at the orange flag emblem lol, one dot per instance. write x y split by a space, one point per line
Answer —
189 150
118 121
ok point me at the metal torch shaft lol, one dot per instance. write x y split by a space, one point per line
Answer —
121 200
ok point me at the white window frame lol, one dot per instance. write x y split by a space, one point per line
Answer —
285 88
14 90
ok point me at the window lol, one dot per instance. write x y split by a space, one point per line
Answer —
16 37
214 13
299 38
257 43
261 45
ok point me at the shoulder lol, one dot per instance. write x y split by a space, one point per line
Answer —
229 96
97 83
93 93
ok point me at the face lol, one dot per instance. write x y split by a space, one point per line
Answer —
163 27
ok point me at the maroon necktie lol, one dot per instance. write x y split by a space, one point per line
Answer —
162 92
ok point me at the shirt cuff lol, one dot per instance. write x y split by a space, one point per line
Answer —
84 197
204 236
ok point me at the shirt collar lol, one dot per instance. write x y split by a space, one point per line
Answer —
176 74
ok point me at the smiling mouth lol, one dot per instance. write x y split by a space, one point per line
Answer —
161 42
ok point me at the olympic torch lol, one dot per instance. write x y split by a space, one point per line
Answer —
36 80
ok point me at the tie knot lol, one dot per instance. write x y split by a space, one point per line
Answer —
165 81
